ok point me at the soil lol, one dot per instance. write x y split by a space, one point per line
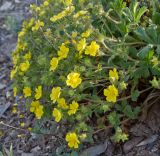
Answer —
16 122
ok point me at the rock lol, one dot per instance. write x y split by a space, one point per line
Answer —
149 140
17 1
95 150
3 108
129 145
140 129
35 149
27 154
2 86
153 118
6 6
9 46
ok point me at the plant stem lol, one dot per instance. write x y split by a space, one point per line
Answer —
1 123
128 97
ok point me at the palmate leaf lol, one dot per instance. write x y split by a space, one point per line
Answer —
134 95
144 52
114 119
150 35
118 5
134 13
142 34
128 110
140 13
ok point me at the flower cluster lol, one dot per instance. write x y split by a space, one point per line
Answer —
69 64
37 108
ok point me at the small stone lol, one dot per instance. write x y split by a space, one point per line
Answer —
27 154
2 86
17 1
35 149
129 145
6 6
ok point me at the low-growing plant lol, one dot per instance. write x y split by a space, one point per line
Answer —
13 23
6 152
86 63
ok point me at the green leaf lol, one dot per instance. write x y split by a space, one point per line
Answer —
156 17
140 13
144 52
120 136
74 153
155 83
134 95
150 54
114 119
142 34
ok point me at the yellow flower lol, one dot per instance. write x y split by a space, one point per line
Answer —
22 33
34 105
111 93
24 66
42 13
38 24
62 14
74 42
74 34
56 92
113 74
39 112
72 140
27 92
87 33
13 73
53 63
14 110
46 3
80 13
30 129
63 52
28 56
66 42
37 108
37 9
15 58
30 23
58 16
73 107
73 80
92 49
38 92
21 116
57 114
22 124
67 2
62 103
81 45
15 91
155 61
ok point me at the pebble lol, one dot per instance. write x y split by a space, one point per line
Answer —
6 6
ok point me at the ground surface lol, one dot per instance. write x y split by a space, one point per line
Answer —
15 130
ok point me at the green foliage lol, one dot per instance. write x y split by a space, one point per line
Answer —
120 136
128 111
6 152
96 55
114 119
134 95
12 24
